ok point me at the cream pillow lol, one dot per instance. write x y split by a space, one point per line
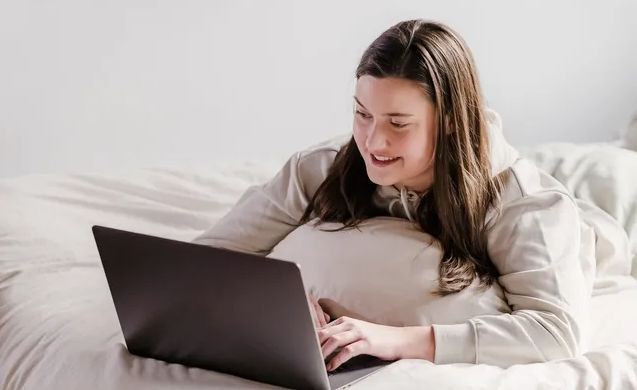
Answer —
385 271
603 175
629 136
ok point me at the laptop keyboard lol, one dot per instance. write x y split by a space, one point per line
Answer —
358 362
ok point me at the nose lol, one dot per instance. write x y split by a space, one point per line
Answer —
377 138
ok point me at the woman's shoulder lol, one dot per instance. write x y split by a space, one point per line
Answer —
323 151
312 164
530 192
525 181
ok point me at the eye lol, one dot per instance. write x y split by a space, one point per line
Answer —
362 114
399 125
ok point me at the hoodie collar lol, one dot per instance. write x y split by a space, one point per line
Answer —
403 203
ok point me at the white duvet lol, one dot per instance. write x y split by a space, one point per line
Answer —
59 330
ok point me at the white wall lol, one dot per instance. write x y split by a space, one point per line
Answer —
88 85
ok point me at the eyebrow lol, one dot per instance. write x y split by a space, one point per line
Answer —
387 114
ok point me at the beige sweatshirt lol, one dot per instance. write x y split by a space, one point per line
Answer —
540 245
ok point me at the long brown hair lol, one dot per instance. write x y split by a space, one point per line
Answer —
454 209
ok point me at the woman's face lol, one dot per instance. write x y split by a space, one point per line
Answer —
394 129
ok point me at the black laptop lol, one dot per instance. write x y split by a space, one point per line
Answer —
217 309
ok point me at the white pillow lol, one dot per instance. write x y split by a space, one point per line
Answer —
629 136
601 174
385 271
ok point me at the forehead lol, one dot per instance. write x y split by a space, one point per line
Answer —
390 94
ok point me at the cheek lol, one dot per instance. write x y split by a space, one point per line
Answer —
418 152
360 138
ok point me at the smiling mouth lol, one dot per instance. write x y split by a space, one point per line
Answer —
383 161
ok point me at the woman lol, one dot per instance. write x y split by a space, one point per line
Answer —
425 148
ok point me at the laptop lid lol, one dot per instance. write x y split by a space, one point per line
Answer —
212 308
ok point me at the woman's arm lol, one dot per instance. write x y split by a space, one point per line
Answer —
544 256
265 214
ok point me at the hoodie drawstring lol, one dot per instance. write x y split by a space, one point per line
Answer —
405 199
405 202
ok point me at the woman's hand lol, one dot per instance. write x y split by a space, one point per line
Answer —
336 310
321 318
325 309
355 337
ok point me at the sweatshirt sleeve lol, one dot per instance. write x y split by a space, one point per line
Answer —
266 213
535 246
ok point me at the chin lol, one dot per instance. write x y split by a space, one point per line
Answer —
381 181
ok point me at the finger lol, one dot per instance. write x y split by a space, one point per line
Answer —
327 318
331 307
317 312
338 340
315 319
321 320
346 353
320 315
334 327
310 302
335 310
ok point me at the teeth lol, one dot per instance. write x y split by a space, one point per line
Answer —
382 158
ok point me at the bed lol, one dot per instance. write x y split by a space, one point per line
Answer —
59 330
